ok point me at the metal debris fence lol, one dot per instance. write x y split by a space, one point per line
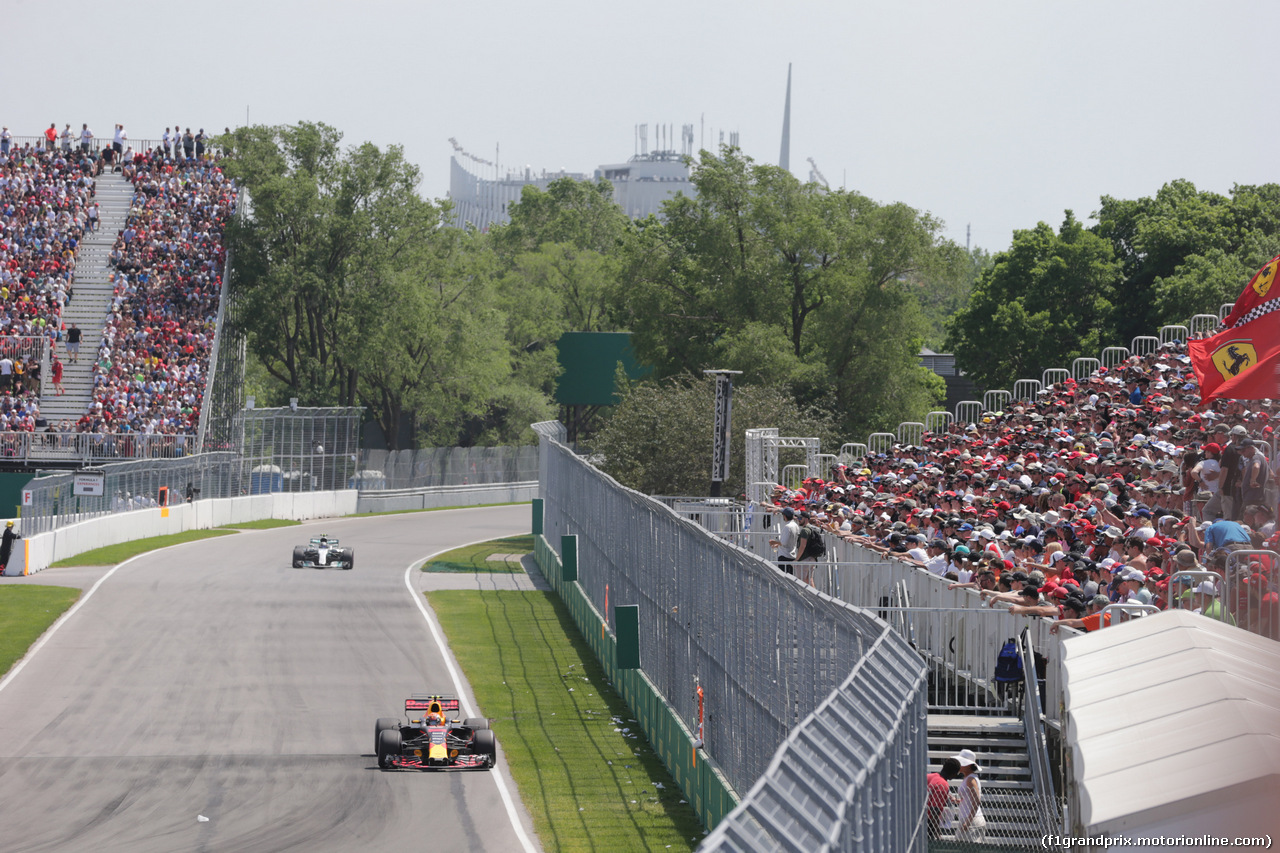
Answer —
299 449
765 651
129 486
446 466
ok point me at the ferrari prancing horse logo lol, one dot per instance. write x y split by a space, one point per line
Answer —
1234 358
1266 276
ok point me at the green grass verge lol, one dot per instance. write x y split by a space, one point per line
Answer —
474 559
434 509
588 784
261 524
112 554
26 612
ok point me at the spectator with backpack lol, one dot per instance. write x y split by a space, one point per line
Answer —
810 547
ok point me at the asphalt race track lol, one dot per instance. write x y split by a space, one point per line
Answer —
212 679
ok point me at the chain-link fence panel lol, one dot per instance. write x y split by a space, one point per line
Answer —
299 449
765 651
446 466
128 486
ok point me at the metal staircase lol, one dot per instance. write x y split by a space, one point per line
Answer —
1009 800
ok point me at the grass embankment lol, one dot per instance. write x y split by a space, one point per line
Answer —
585 771
26 612
261 524
474 559
112 554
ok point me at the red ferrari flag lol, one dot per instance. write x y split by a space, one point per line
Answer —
1242 362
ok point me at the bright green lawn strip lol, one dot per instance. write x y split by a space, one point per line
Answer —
261 524
430 509
555 718
112 554
26 612
474 559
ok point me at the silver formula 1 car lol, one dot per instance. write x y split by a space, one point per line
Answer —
323 553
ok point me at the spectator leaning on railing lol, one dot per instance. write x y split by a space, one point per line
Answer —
1101 486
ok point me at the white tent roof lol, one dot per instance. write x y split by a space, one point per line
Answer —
1174 725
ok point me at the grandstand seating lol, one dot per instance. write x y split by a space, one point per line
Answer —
1093 485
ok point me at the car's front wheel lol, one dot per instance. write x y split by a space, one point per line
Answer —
389 745
299 554
381 726
351 559
487 745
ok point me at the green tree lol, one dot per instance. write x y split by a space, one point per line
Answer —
791 284
1180 249
352 291
659 439
1046 301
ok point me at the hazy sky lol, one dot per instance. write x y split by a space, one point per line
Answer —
994 114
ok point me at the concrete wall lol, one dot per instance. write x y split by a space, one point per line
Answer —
441 496
36 553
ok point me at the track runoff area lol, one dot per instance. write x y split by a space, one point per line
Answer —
211 697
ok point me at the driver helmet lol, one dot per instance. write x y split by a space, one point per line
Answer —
324 540
435 716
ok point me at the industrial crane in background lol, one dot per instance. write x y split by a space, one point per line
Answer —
816 176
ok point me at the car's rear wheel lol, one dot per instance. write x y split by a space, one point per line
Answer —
381 726
299 554
476 723
487 745
389 744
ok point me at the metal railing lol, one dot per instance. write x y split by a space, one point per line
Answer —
1049 806
446 466
128 486
869 795
766 651
88 448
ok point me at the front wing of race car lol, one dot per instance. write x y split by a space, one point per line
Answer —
413 762
308 558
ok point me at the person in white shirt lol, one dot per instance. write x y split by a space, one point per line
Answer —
788 538
86 138
118 140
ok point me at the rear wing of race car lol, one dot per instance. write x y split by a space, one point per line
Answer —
423 701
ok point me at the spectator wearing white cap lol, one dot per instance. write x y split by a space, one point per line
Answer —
1204 600
971 823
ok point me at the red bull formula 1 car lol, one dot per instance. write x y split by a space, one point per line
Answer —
432 738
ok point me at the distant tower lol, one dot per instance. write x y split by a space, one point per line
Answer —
784 159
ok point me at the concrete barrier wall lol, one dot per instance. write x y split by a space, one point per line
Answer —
40 550
441 496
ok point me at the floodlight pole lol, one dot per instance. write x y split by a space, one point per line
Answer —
723 423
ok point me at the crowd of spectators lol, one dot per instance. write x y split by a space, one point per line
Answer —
46 208
1118 489
167 277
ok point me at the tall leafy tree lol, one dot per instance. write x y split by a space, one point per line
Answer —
1184 251
790 283
1047 300
659 440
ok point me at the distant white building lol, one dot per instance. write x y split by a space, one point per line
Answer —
483 202
644 182
640 185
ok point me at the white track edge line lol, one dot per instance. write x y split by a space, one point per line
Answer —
58 623
420 600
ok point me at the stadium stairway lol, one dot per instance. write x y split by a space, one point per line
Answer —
90 302
1009 799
